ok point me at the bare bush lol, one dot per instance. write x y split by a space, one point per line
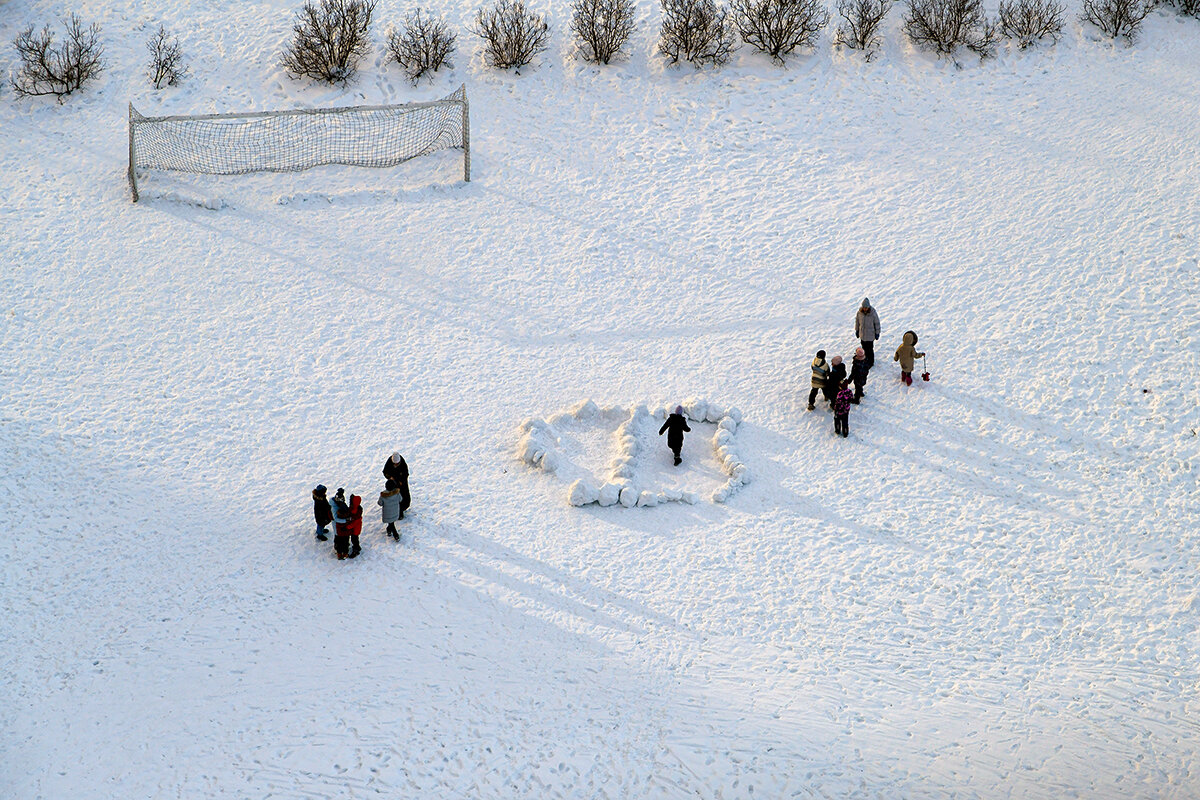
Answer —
946 25
602 27
423 45
778 27
1189 8
166 59
859 29
697 31
512 34
50 68
1027 21
330 39
1117 18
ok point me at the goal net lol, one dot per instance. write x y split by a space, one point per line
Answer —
289 141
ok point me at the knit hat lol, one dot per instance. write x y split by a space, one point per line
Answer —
320 489
679 410
396 457
820 354
837 360
859 353
866 302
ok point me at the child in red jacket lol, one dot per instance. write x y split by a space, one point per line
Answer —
354 526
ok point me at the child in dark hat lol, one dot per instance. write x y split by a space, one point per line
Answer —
389 500
322 512
341 523
820 378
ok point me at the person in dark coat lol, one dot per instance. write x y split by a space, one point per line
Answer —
866 329
322 512
354 525
841 409
341 523
389 500
674 428
396 469
858 374
837 374
820 378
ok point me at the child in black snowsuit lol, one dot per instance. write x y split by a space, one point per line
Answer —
841 409
858 374
321 512
674 428
341 525
837 374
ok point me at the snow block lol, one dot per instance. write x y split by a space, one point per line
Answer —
727 424
695 408
646 499
714 413
586 410
582 494
629 496
608 494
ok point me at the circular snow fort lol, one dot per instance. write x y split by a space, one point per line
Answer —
614 455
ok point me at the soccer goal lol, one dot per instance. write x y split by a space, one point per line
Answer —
290 141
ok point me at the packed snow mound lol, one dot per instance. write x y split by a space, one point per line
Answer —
631 479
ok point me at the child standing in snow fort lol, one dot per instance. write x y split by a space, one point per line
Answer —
322 512
674 428
389 500
341 523
907 354
820 378
841 408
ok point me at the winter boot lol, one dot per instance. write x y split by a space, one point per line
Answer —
396 535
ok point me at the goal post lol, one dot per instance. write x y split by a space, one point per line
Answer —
290 141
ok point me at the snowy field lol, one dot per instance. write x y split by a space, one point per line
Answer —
990 590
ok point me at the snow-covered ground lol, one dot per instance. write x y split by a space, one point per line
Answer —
989 590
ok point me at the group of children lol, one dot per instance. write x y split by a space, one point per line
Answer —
831 380
347 516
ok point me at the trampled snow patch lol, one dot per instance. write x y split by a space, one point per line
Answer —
542 445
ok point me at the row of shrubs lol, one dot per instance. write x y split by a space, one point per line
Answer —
331 37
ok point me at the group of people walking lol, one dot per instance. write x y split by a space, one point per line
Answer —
830 378
346 517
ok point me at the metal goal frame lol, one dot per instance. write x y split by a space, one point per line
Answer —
188 153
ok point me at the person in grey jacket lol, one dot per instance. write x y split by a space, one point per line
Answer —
390 501
866 329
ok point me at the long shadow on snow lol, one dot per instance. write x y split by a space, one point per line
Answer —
591 598
490 314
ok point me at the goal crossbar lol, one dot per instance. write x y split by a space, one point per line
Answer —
298 139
